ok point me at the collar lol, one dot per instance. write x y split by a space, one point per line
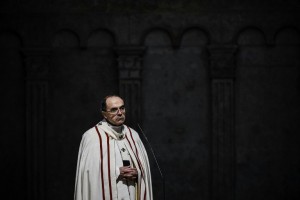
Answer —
117 132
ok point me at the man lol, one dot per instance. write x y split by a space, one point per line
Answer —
112 161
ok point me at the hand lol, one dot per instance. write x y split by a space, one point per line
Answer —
128 173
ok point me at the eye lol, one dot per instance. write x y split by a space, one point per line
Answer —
114 110
122 108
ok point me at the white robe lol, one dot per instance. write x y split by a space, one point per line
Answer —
98 166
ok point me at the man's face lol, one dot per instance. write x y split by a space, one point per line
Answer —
115 111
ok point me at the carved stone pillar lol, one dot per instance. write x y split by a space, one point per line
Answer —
36 65
222 63
130 65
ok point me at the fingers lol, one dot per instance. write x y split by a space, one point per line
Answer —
127 169
128 173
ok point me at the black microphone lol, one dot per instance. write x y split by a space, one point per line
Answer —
126 163
161 174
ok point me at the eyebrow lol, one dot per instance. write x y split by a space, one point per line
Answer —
117 107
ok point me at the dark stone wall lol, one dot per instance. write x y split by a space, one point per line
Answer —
214 85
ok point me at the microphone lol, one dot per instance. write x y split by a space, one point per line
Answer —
160 171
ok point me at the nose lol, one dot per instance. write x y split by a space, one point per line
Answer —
119 112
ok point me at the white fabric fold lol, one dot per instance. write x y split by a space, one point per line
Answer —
98 165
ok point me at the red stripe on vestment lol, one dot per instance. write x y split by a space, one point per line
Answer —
145 193
137 155
137 158
138 161
108 160
129 143
101 159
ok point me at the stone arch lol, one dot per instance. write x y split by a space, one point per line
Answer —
101 38
10 39
194 37
157 37
287 36
65 38
250 36
172 78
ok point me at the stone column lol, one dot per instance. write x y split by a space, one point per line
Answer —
222 73
36 66
130 65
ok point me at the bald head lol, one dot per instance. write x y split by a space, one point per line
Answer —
113 110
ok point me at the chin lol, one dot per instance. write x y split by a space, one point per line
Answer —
120 123
117 123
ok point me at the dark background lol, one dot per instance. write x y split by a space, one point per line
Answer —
214 84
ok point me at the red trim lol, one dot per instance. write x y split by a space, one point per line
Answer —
139 162
137 158
145 193
140 185
129 142
101 166
108 160
137 153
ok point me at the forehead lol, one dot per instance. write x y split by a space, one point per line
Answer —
114 102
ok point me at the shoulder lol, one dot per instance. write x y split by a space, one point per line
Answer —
89 133
133 132
89 136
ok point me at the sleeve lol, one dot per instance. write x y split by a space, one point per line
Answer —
146 165
87 172
81 182
90 184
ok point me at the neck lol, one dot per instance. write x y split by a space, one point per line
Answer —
116 128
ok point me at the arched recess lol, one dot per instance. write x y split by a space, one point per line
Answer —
65 39
13 146
157 37
101 38
175 103
194 37
287 36
250 36
287 47
80 78
266 106
251 43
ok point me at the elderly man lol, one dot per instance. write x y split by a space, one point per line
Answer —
112 161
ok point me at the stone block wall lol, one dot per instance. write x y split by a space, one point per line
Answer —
213 84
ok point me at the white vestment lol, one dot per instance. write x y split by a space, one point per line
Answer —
99 159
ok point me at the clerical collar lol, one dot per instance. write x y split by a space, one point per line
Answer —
118 129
